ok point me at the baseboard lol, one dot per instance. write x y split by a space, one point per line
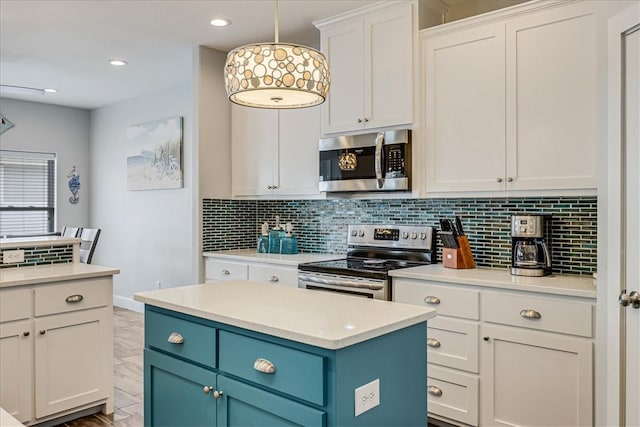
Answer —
128 303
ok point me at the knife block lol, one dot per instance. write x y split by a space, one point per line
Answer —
459 258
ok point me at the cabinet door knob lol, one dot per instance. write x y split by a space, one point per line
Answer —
207 389
274 279
74 298
175 338
265 366
359 120
269 187
226 272
435 391
432 342
366 120
218 394
498 179
509 179
25 333
43 331
431 300
486 339
530 314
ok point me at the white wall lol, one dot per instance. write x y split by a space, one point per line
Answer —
148 235
60 130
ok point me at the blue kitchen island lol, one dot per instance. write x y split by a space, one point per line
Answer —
242 353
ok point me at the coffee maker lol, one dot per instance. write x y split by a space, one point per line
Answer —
530 236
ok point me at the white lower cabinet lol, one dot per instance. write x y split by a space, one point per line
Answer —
498 357
56 349
280 275
220 270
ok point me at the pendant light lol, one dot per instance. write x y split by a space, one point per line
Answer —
276 75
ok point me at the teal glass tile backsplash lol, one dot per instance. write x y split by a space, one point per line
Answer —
321 225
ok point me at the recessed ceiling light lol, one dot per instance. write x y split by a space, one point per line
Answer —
118 62
50 90
220 22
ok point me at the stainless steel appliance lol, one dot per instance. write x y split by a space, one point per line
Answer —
372 251
368 162
530 255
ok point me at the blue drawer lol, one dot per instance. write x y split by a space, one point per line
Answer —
198 341
297 373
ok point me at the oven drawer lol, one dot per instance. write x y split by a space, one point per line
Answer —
453 343
295 372
448 301
452 395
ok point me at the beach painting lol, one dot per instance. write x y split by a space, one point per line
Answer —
154 155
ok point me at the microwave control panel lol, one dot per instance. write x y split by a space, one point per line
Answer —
395 160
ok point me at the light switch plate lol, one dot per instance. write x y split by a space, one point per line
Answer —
13 257
367 397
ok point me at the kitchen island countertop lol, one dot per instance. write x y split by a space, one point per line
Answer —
252 256
320 319
578 286
19 276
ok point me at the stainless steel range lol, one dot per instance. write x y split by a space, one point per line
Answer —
372 251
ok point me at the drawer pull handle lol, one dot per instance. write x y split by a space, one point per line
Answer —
432 300
435 391
530 314
226 272
218 394
74 298
207 389
432 342
265 366
175 338
274 279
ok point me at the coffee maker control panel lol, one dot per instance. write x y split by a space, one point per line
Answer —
527 226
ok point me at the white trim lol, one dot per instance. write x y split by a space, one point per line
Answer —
128 303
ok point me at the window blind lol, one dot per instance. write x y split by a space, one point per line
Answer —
27 192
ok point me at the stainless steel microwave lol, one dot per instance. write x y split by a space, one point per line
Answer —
367 162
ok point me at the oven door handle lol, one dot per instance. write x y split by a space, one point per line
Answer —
343 283
378 160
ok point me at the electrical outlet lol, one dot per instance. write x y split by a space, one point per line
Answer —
13 257
367 397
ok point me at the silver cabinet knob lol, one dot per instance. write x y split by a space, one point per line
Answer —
530 314
26 333
432 342
509 179
366 119
435 391
207 389
359 120
431 300
274 279
175 338
498 179
43 331
218 394
226 272
633 299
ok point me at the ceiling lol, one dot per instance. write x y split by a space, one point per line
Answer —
66 44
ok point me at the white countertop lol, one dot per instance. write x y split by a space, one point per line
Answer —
21 242
321 319
18 276
6 420
579 286
252 255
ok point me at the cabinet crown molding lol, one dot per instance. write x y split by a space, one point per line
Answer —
358 13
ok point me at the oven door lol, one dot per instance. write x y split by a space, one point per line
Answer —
368 162
348 285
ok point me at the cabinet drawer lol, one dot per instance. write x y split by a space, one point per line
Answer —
453 343
567 317
452 395
446 300
297 373
276 275
15 304
72 296
198 341
225 270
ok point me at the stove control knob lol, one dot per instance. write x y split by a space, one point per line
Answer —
423 236
405 235
361 233
523 229
414 235
354 233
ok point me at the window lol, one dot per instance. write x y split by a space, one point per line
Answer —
27 192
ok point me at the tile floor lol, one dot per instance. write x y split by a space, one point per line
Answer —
128 342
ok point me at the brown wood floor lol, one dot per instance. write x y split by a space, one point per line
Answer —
128 342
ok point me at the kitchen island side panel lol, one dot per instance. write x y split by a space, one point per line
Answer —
399 361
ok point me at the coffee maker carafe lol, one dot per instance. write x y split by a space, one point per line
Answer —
530 254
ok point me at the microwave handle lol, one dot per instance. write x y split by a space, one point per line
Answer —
378 160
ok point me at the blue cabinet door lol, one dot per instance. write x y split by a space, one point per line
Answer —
174 393
242 405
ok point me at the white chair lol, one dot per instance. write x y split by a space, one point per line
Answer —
71 231
88 242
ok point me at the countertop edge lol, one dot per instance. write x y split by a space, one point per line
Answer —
250 255
100 271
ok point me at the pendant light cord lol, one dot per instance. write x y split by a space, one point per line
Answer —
277 23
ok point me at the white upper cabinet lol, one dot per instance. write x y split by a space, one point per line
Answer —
511 104
370 54
275 153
